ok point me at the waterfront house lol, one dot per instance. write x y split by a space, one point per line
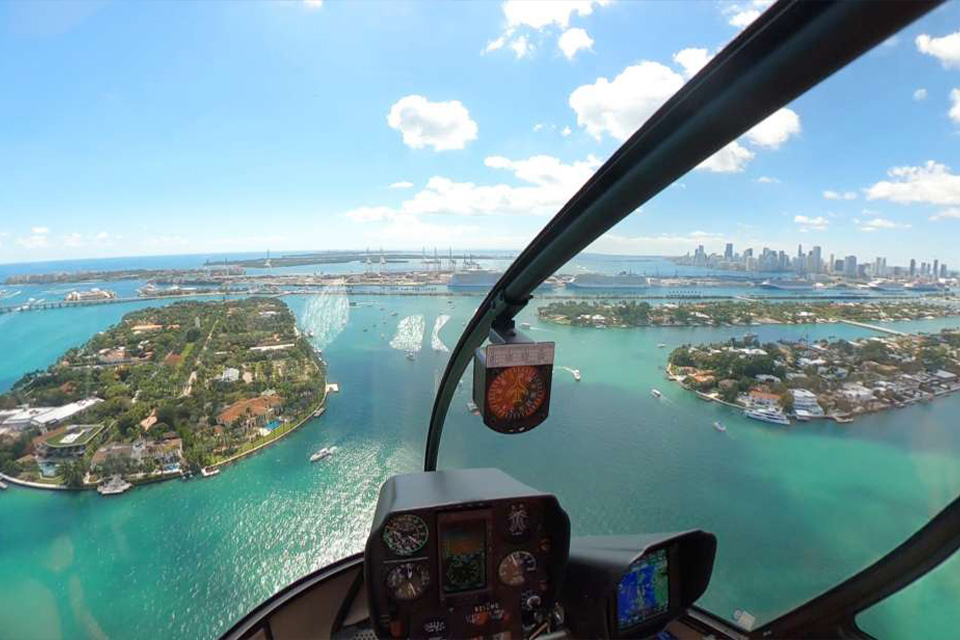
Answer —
759 398
252 412
805 404
71 442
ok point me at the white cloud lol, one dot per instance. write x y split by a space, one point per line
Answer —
733 158
740 14
816 223
692 60
547 185
521 46
658 244
920 94
313 4
947 214
39 230
768 180
74 240
931 183
955 105
574 40
839 195
618 107
403 184
34 241
945 49
566 132
882 223
495 45
776 129
441 125
537 128
545 13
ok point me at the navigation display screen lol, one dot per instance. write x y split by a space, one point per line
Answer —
463 558
644 592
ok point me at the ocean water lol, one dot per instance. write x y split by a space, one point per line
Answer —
795 510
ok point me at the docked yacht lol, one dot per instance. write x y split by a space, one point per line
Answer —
767 415
114 486
209 472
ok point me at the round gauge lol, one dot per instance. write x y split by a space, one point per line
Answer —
465 572
516 393
405 534
518 521
408 581
515 567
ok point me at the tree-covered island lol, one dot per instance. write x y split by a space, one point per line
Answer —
166 391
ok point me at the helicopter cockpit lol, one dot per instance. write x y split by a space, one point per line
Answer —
464 553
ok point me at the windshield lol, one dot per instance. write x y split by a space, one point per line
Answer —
238 242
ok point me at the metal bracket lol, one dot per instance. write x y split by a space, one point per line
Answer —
505 310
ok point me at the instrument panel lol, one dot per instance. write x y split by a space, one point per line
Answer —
464 553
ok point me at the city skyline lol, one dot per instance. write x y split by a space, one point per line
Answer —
206 128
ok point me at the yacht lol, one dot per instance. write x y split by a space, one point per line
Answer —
576 374
114 486
323 453
661 345
767 415
411 356
719 427
524 325
656 393
209 472
394 314
3 485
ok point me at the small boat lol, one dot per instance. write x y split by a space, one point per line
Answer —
411 355
114 486
473 408
209 472
576 375
309 333
323 453
394 313
719 427
3 485
656 393
661 345
524 325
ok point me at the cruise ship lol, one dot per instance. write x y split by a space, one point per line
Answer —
787 285
474 279
886 285
622 280
925 286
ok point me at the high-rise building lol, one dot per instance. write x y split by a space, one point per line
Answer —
936 268
850 266
728 252
816 262
831 266
913 267
943 271
838 266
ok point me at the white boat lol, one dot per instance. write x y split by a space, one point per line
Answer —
394 313
208 472
3 485
576 375
473 408
524 325
719 427
325 452
114 486
410 354
310 333
661 345
767 415
656 393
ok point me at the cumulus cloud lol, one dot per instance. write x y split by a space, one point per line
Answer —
875 224
441 125
945 49
920 95
740 14
829 194
39 230
34 241
566 132
955 105
403 184
547 184
952 213
807 223
930 183
768 180
775 129
618 107
313 4
574 40
733 158
692 60
536 17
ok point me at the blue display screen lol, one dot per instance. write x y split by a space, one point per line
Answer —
644 592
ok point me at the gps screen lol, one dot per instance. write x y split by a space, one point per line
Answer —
644 592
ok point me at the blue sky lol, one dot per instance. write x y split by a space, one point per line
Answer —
157 128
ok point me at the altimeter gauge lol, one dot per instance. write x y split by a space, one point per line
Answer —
405 534
408 581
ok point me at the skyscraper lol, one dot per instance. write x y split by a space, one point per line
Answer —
850 266
913 267
936 268
728 252
816 261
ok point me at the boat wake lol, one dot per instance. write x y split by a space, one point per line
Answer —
435 342
326 315
409 334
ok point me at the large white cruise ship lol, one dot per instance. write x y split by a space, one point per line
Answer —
787 285
622 280
474 279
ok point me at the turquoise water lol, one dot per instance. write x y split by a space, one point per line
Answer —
795 510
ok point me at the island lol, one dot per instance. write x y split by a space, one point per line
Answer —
168 391
630 313
840 379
